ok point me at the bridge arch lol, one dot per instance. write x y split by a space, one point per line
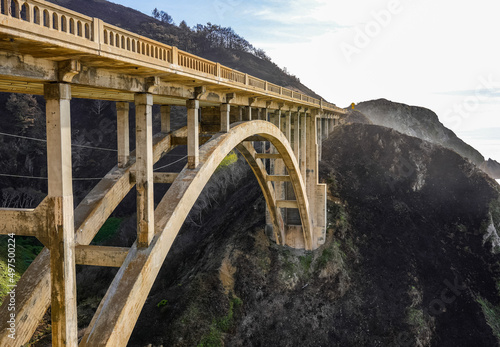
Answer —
119 310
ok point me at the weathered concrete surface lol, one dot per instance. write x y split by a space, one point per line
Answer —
115 318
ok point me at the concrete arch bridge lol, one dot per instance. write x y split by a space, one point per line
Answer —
48 50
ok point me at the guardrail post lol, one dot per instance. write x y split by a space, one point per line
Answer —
95 35
217 70
175 55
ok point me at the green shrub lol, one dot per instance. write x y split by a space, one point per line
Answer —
230 159
108 229
162 303
492 315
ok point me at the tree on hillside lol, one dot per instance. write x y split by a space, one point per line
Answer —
162 16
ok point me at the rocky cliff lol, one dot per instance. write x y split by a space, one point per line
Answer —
410 258
424 124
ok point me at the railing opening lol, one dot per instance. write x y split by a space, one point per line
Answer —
14 9
36 15
55 21
46 19
64 26
25 14
87 31
79 28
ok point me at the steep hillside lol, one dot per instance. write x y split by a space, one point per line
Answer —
424 124
416 121
194 40
410 259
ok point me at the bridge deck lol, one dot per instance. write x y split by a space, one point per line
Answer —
48 50
43 36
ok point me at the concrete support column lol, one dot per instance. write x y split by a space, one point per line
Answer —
332 124
326 130
60 216
123 133
288 125
312 158
303 145
296 138
165 118
279 166
240 113
144 168
319 136
225 120
260 113
247 113
193 130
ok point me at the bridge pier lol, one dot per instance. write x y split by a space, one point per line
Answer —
247 113
144 168
296 136
165 118
225 118
122 133
193 133
303 145
60 215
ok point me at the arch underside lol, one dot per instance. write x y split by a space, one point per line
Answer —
120 308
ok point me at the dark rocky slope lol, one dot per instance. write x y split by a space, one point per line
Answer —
424 124
408 259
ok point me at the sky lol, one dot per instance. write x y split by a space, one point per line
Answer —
443 55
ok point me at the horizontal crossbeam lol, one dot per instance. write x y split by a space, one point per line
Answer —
268 156
287 204
100 255
278 178
159 177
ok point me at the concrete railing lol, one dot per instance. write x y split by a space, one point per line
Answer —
53 22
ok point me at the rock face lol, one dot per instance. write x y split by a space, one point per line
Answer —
424 124
492 168
354 116
409 258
